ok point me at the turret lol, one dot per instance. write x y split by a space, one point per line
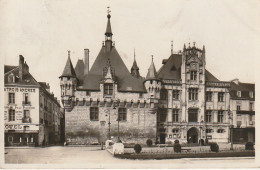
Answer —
135 69
108 33
152 83
68 84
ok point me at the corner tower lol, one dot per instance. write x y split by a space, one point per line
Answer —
68 84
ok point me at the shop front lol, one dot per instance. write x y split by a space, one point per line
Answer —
13 138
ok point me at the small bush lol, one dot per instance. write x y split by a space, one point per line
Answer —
137 148
214 147
149 142
177 147
249 146
176 141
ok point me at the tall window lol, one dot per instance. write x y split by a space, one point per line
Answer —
193 115
193 75
251 94
238 107
26 98
175 115
11 115
175 94
162 115
122 114
220 116
208 116
221 97
11 98
94 113
163 94
108 89
238 93
193 94
26 116
209 96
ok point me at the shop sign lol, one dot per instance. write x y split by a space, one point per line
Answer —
16 89
13 127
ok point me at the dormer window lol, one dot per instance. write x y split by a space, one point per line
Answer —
11 78
238 93
251 94
108 89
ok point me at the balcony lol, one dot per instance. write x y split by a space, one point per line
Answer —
26 103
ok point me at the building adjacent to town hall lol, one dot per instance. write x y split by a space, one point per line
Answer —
32 114
182 100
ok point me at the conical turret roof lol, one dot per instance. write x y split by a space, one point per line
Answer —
109 29
152 74
68 69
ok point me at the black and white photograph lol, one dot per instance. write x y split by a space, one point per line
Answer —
115 84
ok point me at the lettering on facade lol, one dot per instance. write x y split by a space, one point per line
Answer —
13 127
15 89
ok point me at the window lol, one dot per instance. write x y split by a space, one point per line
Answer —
11 78
193 75
26 128
122 114
238 93
209 96
87 93
175 115
250 117
162 115
175 94
94 113
10 139
11 98
26 98
163 94
175 131
26 116
238 107
193 115
193 94
108 89
221 130
141 95
220 116
208 116
251 94
221 97
251 106
209 130
11 115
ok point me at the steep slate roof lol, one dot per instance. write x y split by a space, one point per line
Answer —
245 88
68 70
9 68
28 79
79 69
152 74
172 69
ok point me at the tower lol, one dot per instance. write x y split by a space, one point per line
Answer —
153 83
68 84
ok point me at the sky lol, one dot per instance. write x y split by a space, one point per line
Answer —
43 32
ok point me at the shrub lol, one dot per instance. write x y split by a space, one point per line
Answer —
249 146
176 141
149 142
177 147
214 147
137 148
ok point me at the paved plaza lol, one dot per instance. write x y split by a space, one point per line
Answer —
94 157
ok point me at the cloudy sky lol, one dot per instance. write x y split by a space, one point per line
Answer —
43 31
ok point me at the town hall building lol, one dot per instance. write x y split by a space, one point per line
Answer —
182 100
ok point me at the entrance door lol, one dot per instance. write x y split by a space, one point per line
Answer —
192 135
162 138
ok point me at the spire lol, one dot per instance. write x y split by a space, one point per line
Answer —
108 30
172 48
135 68
152 74
68 69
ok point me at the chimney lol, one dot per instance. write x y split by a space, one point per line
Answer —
21 67
86 62
48 87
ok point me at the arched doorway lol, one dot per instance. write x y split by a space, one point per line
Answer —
192 135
